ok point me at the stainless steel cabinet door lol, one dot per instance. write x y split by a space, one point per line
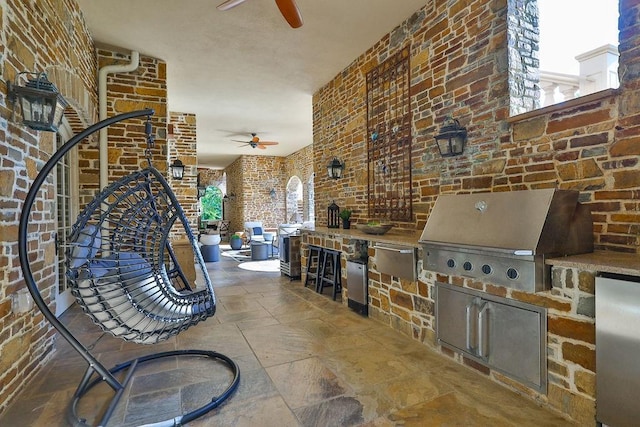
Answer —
505 335
618 350
512 343
456 314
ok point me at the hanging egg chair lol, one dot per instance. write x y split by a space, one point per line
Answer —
125 276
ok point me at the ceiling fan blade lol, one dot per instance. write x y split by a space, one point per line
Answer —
262 147
268 143
290 11
229 4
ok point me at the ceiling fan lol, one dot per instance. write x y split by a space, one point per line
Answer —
288 8
256 143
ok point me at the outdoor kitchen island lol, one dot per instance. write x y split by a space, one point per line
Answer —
409 307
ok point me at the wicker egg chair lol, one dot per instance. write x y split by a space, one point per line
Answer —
125 276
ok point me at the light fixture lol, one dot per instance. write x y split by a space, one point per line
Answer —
177 169
272 193
333 215
335 168
229 197
41 104
451 138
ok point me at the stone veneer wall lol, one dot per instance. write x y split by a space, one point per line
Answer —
459 60
300 164
459 66
64 50
211 176
250 179
183 145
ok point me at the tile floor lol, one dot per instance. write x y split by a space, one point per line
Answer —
305 360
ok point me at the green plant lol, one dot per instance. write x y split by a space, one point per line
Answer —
235 237
345 214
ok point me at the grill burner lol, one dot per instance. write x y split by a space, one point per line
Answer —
504 238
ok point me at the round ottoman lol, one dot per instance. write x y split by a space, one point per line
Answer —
210 247
259 251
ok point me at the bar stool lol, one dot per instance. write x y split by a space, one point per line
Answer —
330 272
313 265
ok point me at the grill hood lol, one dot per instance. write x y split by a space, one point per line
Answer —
528 222
505 237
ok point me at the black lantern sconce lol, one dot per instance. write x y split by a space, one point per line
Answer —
229 197
272 193
177 169
451 138
41 104
333 216
335 168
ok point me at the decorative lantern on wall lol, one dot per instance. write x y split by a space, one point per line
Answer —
335 168
177 169
451 138
41 104
333 216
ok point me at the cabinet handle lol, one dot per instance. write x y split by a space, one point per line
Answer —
400 251
482 330
468 314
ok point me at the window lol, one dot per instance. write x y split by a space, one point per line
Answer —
560 50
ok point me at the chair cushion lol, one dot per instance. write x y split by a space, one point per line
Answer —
85 246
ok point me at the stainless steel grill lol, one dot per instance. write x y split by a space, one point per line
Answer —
504 238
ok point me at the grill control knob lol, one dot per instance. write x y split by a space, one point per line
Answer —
451 263
486 269
512 273
467 266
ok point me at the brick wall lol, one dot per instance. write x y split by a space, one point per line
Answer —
66 55
251 178
182 145
146 87
459 63
300 164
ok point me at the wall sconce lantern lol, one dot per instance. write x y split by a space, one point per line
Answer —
333 216
272 193
451 138
177 169
335 168
41 104
229 197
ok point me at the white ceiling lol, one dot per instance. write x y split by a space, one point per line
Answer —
245 70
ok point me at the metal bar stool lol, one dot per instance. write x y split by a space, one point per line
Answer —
330 272
313 265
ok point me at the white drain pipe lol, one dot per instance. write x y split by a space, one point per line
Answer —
102 110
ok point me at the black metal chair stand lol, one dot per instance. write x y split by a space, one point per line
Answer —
125 275
313 265
330 272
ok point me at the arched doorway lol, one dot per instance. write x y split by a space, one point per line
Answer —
310 206
295 208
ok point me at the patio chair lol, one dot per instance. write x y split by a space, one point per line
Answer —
125 275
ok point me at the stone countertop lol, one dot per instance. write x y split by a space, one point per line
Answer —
393 236
601 261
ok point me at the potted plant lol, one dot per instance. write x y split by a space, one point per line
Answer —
345 214
235 241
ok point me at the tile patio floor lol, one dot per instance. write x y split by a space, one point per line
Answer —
305 360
